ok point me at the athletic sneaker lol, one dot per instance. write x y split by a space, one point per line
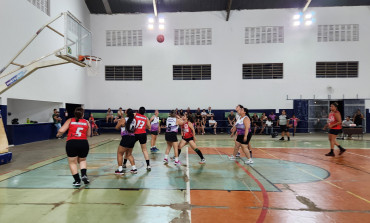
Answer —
133 171
178 163
165 161
148 168
155 149
282 139
119 172
342 151
232 157
250 161
172 157
237 155
124 166
85 179
76 183
203 161
330 154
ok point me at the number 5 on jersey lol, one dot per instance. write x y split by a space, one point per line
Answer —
78 131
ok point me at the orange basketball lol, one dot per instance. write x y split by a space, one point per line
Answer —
160 38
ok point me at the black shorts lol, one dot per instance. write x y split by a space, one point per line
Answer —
171 136
240 138
154 133
335 131
141 138
188 139
128 141
283 128
77 147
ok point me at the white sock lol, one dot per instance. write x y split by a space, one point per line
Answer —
176 159
119 168
133 167
166 156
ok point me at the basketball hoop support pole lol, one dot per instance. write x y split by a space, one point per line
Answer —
30 41
26 71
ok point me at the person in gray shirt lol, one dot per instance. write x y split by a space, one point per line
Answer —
284 123
347 123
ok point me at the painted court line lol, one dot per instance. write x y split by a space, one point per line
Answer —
188 183
265 205
325 181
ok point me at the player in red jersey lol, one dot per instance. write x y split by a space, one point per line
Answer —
188 136
335 127
77 146
142 123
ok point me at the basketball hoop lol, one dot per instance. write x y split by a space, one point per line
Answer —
92 64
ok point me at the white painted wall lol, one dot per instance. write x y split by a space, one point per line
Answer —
227 53
40 111
19 21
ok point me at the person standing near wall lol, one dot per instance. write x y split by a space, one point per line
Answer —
57 121
335 127
77 146
358 117
284 123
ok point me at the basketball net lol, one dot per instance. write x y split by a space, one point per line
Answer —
92 64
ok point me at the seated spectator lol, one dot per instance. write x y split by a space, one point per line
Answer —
94 126
109 115
231 121
273 117
210 114
163 125
120 113
188 111
255 123
204 114
198 114
263 120
213 124
200 124
269 126
347 123
181 113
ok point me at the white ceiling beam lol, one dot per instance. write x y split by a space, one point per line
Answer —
306 6
108 10
155 7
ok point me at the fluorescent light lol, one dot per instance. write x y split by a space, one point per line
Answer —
161 26
308 23
161 20
150 26
297 16
308 16
296 23
151 20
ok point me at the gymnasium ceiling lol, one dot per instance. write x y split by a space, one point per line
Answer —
146 6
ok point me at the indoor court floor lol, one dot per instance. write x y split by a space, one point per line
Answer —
288 182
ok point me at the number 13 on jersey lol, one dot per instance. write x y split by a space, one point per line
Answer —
140 124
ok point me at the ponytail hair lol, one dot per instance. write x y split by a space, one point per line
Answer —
247 112
130 115
173 113
79 113
190 118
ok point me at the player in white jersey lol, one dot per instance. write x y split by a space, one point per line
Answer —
173 123
154 130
